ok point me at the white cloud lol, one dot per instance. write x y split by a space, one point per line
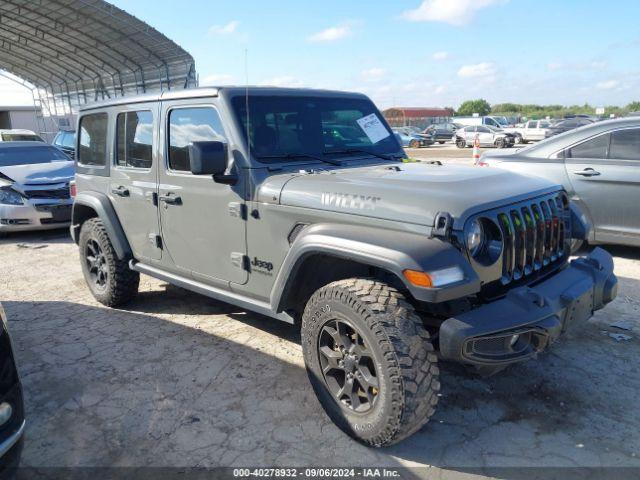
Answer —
607 84
453 12
593 65
283 81
227 29
217 79
331 34
440 55
373 74
484 69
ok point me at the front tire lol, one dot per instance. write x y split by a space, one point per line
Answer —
461 143
370 360
110 279
414 144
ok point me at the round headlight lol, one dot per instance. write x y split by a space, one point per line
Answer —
474 236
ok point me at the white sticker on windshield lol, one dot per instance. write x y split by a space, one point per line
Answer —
373 127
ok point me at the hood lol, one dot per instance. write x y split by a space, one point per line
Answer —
39 173
412 192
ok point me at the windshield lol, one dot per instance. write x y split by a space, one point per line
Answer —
282 126
30 155
501 120
21 137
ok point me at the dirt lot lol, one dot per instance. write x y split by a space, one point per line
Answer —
181 380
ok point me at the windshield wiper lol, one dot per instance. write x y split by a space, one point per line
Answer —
367 152
289 156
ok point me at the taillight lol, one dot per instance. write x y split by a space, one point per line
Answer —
73 189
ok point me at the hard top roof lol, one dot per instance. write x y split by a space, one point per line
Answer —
217 91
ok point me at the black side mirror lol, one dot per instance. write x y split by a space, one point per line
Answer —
208 158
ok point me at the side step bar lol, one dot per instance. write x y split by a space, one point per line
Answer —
216 293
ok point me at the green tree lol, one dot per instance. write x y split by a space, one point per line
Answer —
479 106
633 107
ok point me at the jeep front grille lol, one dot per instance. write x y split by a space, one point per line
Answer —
534 235
524 241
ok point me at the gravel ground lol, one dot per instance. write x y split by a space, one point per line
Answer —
177 379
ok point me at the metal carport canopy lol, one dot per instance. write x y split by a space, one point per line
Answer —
80 51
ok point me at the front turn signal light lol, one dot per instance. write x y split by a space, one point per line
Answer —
419 279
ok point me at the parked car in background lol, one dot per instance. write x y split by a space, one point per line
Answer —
11 403
488 136
531 131
485 120
65 140
407 138
34 187
17 135
566 125
442 132
599 167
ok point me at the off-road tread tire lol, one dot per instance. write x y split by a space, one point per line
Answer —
123 282
406 346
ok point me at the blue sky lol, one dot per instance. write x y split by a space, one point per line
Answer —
414 52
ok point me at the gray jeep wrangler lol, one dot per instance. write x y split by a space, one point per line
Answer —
301 205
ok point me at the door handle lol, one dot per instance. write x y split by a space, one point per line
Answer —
120 191
170 199
587 172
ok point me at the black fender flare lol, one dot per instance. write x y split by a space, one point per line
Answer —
391 250
102 206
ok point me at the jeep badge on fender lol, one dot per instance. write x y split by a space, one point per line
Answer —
386 267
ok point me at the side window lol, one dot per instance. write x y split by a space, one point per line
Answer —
69 140
188 125
93 140
482 130
134 134
531 124
625 144
594 148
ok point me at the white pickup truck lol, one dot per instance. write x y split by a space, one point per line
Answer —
532 131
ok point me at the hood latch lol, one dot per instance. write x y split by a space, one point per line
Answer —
442 225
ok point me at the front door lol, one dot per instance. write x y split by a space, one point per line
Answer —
203 230
133 183
605 173
486 136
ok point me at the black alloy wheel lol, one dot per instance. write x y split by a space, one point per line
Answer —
348 366
96 264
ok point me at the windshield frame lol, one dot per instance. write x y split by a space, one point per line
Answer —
235 104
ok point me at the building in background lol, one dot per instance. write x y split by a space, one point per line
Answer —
31 118
416 116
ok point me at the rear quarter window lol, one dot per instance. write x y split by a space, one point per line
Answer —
93 140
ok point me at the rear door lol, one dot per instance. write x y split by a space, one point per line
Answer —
203 228
134 182
605 173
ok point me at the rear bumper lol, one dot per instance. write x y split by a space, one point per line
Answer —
529 319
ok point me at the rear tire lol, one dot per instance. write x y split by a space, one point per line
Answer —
414 144
370 360
441 142
109 279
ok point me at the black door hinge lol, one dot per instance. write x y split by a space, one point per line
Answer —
159 242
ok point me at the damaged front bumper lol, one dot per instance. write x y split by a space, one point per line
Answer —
528 319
